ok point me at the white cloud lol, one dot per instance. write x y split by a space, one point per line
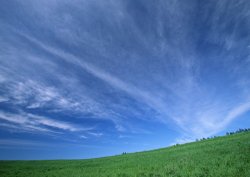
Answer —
33 122
235 113
3 99
54 123
182 141
96 134
15 126
37 95
214 124
83 137
13 118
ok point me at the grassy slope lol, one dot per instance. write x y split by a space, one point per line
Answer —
223 156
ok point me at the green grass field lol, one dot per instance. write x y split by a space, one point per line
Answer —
227 156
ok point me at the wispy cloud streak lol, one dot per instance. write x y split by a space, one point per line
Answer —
33 122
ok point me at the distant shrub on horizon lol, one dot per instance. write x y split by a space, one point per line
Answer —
227 134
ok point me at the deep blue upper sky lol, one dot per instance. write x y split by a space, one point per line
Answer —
90 78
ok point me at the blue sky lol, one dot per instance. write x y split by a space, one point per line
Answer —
90 78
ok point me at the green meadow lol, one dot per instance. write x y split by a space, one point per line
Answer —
227 156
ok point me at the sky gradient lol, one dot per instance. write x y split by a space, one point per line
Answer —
90 78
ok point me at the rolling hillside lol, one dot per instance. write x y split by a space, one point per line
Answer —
222 156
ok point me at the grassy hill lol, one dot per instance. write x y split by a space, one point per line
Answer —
227 156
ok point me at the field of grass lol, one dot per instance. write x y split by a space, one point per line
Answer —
227 156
